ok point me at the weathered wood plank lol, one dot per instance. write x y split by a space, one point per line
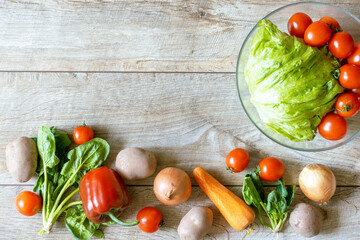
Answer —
187 120
342 218
140 35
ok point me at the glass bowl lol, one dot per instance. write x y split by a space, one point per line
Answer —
280 17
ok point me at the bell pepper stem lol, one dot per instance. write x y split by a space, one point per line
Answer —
115 219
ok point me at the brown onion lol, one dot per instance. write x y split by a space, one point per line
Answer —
317 182
172 186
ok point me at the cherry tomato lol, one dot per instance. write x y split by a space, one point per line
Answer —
298 23
333 24
271 169
341 45
150 219
350 76
347 104
317 34
333 127
354 58
83 134
237 160
28 203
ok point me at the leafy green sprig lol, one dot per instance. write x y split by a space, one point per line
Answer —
276 205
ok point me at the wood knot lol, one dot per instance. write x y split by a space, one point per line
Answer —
201 12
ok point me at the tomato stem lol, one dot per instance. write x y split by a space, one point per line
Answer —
336 74
84 124
347 108
162 223
230 169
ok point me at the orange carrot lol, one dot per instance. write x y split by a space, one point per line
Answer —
234 209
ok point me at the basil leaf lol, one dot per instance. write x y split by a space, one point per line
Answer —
82 159
80 226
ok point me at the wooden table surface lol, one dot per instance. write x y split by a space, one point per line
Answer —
153 74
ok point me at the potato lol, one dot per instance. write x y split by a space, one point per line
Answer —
306 220
135 163
195 224
21 158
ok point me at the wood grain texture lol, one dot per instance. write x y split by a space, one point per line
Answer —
342 218
182 118
174 35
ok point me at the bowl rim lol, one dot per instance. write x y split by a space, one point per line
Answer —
237 78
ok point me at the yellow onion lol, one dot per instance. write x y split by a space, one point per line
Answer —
317 182
172 186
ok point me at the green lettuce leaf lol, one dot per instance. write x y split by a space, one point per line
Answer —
291 83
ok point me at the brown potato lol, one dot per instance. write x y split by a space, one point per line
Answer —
195 224
21 158
306 220
135 163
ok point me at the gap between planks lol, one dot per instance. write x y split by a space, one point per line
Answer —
123 72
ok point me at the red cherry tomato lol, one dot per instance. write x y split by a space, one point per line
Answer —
347 104
28 203
354 58
333 127
317 34
83 134
237 160
150 219
298 23
341 45
350 76
271 169
333 24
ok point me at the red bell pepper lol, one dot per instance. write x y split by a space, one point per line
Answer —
104 196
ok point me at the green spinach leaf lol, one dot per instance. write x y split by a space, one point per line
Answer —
276 205
80 226
250 193
82 159
291 193
62 142
257 183
99 234
47 147
281 188
61 138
